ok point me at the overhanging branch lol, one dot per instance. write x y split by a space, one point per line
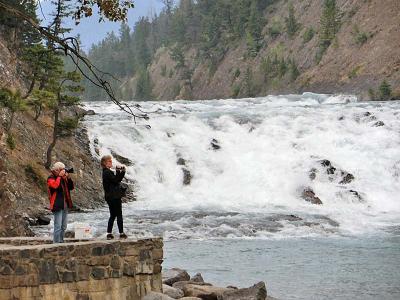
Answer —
70 47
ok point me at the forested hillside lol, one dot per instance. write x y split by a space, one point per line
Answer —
244 48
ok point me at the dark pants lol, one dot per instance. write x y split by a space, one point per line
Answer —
115 212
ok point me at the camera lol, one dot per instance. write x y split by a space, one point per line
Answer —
120 168
69 170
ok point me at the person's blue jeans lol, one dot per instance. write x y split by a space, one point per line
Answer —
60 225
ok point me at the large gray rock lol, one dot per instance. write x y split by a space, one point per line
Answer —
309 196
197 278
190 298
174 275
255 292
181 284
172 292
205 292
156 296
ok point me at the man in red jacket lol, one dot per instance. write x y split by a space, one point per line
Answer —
59 186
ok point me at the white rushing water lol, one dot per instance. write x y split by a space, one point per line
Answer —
251 187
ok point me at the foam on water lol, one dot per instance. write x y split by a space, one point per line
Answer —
268 146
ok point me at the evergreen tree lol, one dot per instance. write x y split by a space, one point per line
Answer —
254 28
385 90
330 25
178 56
144 85
291 23
12 100
249 83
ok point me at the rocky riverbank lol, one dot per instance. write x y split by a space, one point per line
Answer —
178 284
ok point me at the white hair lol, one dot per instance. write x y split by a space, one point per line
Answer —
57 166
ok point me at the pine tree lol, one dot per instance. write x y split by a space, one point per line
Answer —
330 25
12 100
178 56
248 83
144 85
385 90
254 28
291 23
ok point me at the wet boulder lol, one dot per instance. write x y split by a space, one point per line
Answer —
346 178
197 278
172 292
309 196
357 195
187 176
181 284
205 292
379 124
215 144
90 112
328 166
334 173
255 292
181 161
122 159
174 275
43 220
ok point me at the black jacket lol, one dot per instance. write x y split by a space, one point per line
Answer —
111 183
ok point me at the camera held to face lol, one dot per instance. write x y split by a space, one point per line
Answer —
120 168
69 170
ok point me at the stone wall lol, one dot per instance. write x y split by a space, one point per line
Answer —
98 269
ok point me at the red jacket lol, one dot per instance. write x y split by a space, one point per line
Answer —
59 186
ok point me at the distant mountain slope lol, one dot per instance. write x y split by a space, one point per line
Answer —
288 55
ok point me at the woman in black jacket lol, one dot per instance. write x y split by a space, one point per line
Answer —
112 193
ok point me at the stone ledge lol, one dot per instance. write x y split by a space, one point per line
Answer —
34 265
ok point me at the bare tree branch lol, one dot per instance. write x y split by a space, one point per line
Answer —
70 47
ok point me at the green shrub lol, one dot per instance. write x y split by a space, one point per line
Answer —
10 141
354 73
385 91
275 29
237 73
360 37
235 91
292 26
308 35
371 94
67 126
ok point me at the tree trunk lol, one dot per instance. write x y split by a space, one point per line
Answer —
30 87
54 141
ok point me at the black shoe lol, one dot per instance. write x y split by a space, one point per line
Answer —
110 236
123 236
